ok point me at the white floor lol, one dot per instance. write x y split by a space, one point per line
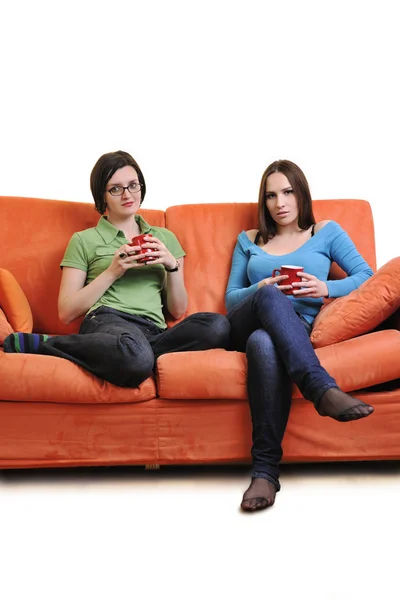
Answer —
126 533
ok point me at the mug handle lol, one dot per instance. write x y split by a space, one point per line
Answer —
275 271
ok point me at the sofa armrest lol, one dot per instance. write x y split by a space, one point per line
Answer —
361 311
14 303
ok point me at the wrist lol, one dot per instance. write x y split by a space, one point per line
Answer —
173 268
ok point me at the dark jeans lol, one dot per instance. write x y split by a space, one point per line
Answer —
279 351
122 348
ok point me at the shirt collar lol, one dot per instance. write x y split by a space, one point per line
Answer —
108 232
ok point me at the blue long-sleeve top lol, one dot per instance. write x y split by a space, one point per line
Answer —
251 264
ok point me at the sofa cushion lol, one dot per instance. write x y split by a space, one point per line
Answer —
35 378
362 310
222 375
201 375
5 327
14 303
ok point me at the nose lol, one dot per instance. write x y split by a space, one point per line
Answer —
126 193
280 201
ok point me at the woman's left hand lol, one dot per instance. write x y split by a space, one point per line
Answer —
158 253
311 287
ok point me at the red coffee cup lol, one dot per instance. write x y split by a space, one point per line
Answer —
291 271
139 241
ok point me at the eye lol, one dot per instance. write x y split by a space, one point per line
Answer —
287 192
270 195
134 187
115 189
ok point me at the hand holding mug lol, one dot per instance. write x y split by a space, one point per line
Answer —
139 245
156 252
311 287
276 280
293 273
126 257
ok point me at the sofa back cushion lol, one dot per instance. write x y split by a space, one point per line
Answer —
208 234
34 234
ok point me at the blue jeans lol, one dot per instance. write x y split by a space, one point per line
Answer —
279 351
123 348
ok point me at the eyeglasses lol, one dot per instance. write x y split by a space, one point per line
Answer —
118 190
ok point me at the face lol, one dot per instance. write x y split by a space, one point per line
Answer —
128 202
280 200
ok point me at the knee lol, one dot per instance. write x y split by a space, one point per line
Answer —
268 293
219 330
136 364
212 330
260 345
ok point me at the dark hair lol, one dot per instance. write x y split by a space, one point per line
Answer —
104 169
301 190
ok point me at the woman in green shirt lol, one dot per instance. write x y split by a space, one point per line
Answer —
122 293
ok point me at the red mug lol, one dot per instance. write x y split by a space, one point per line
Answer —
291 271
139 241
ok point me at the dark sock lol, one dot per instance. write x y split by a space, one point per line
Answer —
25 343
259 495
342 407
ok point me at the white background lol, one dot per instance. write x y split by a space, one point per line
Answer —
204 95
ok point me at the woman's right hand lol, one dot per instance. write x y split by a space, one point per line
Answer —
275 280
125 258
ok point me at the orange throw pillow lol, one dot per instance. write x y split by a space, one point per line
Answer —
362 310
5 327
14 303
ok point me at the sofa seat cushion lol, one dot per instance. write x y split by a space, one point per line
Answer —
35 378
218 374
206 374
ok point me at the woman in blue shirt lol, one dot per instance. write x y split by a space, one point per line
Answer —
273 328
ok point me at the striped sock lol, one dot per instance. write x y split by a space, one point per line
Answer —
25 343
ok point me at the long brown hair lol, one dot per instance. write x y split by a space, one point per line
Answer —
301 190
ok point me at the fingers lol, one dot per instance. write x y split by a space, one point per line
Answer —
305 292
127 260
153 251
284 288
278 278
302 284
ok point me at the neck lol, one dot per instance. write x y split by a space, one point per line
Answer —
128 225
290 229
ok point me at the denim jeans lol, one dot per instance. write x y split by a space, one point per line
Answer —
279 351
123 348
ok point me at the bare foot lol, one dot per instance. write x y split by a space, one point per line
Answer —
260 494
342 407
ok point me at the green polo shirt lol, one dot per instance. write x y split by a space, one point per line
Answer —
138 291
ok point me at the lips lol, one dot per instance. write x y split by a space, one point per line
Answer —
282 214
127 204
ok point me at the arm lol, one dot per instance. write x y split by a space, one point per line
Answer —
238 287
74 298
346 255
342 251
174 292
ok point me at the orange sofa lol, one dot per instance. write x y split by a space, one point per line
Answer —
195 410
